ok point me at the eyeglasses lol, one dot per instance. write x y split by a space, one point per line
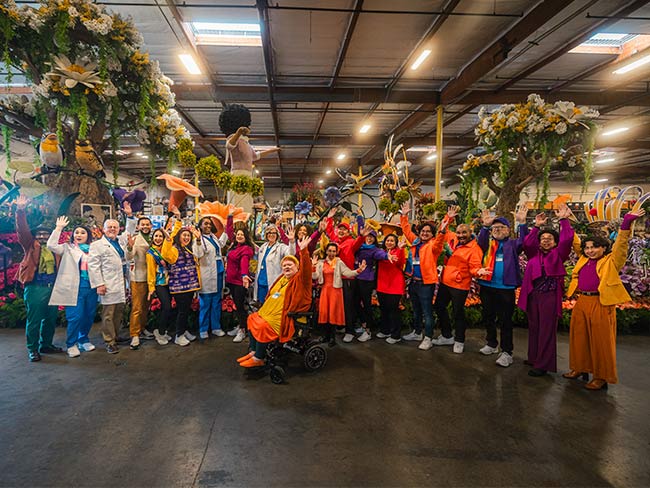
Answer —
498 227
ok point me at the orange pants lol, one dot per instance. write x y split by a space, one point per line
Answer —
592 339
139 307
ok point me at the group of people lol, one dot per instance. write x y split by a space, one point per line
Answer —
433 265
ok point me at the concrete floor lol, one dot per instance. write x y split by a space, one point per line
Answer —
377 415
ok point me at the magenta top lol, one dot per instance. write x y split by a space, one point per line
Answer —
588 279
238 258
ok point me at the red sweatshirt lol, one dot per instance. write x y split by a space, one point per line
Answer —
390 276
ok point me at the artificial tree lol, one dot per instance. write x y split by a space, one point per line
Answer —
525 142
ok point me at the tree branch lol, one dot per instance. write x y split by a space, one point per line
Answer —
524 183
493 186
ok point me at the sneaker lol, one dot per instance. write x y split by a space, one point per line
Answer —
73 352
112 349
145 334
348 338
203 335
241 335
167 336
358 330
487 350
233 332
504 359
181 340
381 335
87 347
160 339
189 336
426 344
442 341
412 336
459 347
390 340
135 343
218 332
365 336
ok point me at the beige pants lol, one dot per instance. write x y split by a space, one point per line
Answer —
111 322
139 307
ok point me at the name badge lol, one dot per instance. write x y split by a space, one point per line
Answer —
275 295
499 258
416 261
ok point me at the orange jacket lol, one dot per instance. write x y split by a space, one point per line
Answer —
462 265
429 252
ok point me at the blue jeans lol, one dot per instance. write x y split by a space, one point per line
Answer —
422 300
81 316
210 308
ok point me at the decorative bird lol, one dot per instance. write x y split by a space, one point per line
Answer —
50 151
88 159
356 182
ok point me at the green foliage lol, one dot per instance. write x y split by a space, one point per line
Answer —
187 159
223 180
387 206
208 167
402 196
240 184
257 187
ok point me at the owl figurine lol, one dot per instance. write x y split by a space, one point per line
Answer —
50 151
88 159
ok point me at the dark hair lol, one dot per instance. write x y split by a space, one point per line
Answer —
332 244
212 226
554 233
247 237
40 228
177 237
90 236
153 234
307 229
597 241
427 224
233 116
393 235
140 219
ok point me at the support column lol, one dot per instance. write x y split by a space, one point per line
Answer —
440 111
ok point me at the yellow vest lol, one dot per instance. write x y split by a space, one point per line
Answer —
611 289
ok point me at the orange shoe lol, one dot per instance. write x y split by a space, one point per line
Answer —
244 358
596 384
253 362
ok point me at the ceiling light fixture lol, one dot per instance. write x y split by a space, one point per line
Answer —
611 132
364 129
606 160
328 172
176 172
432 157
138 154
424 55
320 182
426 149
190 64
601 180
340 156
636 64
144 156
257 171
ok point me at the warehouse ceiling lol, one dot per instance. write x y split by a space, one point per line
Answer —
314 73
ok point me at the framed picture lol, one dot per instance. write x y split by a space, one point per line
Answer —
96 214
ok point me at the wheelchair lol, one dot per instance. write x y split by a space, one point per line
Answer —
310 349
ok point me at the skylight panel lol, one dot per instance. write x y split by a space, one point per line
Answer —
226 34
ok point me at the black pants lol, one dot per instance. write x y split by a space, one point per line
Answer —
165 324
350 304
457 298
391 318
499 305
239 297
183 305
259 348
365 295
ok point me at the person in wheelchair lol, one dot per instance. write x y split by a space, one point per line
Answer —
290 293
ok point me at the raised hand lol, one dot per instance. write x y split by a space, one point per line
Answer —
291 234
244 131
520 214
21 202
127 208
366 231
401 242
196 233
638 213
540 219
486 218
322 226
62 222
174 209
362 266
331 213
405 208
563 211
303 243
130 240
314 259
453 211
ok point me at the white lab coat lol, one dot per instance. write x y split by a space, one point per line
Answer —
66 287
208 263
273 263
105 268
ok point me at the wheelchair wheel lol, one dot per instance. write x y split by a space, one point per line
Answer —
277 375
315 357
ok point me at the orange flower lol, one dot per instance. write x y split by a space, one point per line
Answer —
219 213
180 189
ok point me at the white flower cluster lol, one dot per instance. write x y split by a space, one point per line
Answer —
31 18
162 85
101 25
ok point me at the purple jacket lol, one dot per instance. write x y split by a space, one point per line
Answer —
370 255
553 263
511 251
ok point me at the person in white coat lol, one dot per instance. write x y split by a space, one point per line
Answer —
212 279
269 261
108 273
72 286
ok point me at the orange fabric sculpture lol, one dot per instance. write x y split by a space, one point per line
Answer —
219 212
180 189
